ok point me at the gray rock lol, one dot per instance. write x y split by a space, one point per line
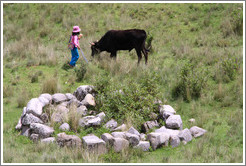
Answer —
25 131
82 91
119 135
112 124
95 121
197 131
61 109
153 116
82 110
44 101
59 98
143 137
43 130
84 121
149 125
64 127
144 145
30 118
185 135
89 100
48 140
163 129
94 144
47 96
132 138
68 140
34 137
101 115
107 138
166 108
174 141
70 96
132 130
158 139
19 124
75 102
119 144
35 107
57 117
192 120
44 117
174 122
120 128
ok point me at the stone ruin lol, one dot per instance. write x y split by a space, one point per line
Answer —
35 124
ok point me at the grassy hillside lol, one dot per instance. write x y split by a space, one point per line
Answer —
195 65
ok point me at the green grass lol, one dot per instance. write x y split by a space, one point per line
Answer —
183 34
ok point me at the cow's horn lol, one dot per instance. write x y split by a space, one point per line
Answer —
92 43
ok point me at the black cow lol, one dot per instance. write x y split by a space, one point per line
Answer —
115 40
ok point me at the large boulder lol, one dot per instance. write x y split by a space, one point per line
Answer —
112 124
197 131
149 125
89 100
94 144
132 138
59 98
68 140
144 145
82 91
44 101
185 135
119 144
166 111
30 118
174 122
47 96
35 107
42 130
163 129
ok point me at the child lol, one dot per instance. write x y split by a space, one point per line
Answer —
75 40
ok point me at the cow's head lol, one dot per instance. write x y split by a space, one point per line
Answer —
94 48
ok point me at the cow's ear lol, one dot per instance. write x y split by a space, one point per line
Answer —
92 43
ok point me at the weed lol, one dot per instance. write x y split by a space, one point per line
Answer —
50 86
81 71
23 98
8 91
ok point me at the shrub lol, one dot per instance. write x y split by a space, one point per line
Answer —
80 72
34 78
191 81
73 118
50 86
8 91
23 98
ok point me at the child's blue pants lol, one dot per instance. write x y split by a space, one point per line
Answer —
75 56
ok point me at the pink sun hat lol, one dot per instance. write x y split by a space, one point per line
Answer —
76 29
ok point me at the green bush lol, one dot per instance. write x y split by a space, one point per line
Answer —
80 72
132 103
191 81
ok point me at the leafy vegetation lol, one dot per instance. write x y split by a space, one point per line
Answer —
195 65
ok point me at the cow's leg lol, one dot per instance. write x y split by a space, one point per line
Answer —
113 55
145 55
139 55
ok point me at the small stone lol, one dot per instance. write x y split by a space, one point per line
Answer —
112 124
166 108
64 127
95 121
144 145
25 131
82 91
44 117
143 137
120 128
118 134
153 116
192 120
48 140
89 100
47 96
34 137
101 115
197 131
82 110
149 125
62 109
35 107
44 101
57 117
70 96
84 121
158 139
